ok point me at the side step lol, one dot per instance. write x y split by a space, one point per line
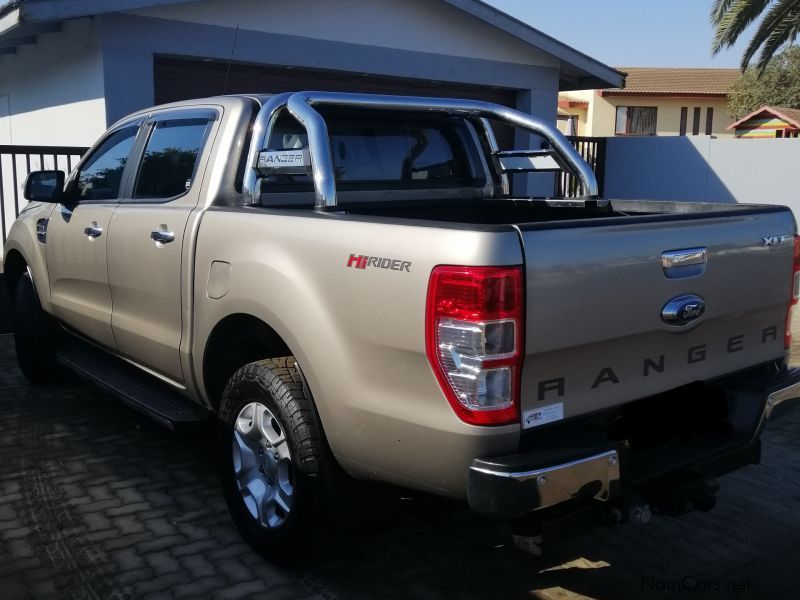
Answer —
134 387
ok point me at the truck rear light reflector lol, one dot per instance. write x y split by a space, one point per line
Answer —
795 293
474 340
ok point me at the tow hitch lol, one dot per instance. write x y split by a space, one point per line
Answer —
532 531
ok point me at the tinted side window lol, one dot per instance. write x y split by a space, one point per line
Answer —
170 158
101 176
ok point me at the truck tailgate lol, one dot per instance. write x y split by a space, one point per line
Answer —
596 290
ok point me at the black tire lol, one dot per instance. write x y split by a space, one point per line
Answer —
278 385
35 336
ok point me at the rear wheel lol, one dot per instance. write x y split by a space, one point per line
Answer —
34 335
270 448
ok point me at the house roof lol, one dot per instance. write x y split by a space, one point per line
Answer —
657 81
789 115
565 101
22 20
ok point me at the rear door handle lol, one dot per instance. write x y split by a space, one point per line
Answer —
162 237
93 231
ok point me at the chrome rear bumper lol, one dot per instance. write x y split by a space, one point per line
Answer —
503 490
780 397
514 485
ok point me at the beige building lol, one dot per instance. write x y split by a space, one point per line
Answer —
654 101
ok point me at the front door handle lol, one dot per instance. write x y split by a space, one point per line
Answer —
93 231
162 237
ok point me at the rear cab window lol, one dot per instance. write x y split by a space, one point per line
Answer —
375 150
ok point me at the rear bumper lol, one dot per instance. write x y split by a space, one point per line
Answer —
508 487
781 398
511 486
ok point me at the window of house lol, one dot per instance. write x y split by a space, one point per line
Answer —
696 121
568 124
170 158
101 175
684 119
636 120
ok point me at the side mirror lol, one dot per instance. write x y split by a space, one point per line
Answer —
44 186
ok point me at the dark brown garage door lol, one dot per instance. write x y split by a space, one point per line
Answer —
180 79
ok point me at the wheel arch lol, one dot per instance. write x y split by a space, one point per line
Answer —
14 266
236 340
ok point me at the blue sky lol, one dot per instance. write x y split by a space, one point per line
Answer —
632 33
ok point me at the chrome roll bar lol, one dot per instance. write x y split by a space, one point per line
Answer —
486 127
301 105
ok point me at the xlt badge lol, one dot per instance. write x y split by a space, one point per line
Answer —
774 240
683 310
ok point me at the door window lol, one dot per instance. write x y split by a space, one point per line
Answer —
101 175
170 158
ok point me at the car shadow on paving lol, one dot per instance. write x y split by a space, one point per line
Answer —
97 502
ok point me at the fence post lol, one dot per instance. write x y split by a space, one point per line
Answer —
600 165
19 159
593 150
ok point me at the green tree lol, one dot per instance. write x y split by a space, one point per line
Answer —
778 84
778 27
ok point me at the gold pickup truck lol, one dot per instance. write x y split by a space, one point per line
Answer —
351 287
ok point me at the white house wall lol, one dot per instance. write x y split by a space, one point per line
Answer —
418 39
704 169
52 92
5 120
416 25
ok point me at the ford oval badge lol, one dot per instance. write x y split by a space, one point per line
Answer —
683 310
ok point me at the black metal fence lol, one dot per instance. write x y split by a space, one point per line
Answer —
15 164
17 161
593 150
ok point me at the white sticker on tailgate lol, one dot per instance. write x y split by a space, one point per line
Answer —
542 415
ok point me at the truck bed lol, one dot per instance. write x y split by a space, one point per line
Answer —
527 212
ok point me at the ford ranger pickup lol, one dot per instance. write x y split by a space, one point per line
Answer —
351 287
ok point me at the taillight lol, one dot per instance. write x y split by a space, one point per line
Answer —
474 333
787 338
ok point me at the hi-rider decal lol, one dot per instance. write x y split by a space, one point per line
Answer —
359 261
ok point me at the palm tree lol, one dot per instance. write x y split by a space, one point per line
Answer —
779 26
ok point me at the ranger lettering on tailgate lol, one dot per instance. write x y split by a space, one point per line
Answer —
696 354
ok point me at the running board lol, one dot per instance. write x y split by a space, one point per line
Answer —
140 391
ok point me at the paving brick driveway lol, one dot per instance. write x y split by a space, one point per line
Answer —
97 502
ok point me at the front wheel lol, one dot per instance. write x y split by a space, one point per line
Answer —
270 450
34 335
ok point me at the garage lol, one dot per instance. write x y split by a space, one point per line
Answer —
181 79
71 68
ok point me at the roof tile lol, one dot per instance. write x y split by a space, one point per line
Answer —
666 81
